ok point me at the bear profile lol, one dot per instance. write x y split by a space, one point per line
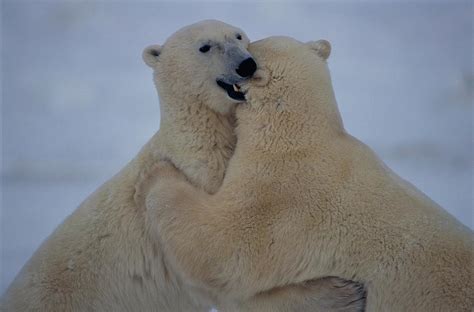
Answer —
102 257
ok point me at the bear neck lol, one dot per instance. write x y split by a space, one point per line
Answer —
287 129
197 140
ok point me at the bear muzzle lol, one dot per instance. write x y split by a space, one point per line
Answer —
233 90
247 68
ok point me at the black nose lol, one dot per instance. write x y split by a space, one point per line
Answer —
247 68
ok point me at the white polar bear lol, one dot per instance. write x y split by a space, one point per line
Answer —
303 199
103 257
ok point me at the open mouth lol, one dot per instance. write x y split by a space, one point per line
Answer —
233 91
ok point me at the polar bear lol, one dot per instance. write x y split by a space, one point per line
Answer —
303 199
103 258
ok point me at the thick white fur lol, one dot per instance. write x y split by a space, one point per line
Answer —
102 257
303 199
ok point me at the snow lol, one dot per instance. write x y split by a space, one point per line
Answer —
78 101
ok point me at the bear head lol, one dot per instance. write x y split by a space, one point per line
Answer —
291 86
203 62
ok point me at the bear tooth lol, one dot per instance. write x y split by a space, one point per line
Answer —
236 87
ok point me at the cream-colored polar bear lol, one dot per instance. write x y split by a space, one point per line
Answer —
303 199
103 258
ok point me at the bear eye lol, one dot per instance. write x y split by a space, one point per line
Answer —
239 37
205 48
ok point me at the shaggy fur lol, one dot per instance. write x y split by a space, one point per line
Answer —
303 199
103 257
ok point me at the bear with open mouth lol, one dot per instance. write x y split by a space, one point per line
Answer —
105 256
102 258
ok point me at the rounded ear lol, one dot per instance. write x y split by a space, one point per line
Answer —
321 47
151 55
261 77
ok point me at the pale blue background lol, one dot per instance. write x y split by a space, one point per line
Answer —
78 102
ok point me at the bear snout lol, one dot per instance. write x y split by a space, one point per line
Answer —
247 68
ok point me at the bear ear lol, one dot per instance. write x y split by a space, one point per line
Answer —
151 55
321 47
261 77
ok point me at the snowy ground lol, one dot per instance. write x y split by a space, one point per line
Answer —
78 102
